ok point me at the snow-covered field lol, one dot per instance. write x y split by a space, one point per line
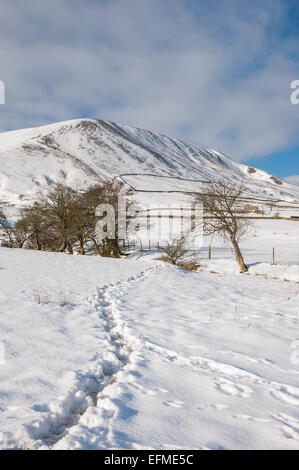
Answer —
54 355
135 353
211 370
282 235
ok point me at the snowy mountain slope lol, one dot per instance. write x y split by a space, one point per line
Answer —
86 150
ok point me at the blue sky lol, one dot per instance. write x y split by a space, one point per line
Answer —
280 163
212 72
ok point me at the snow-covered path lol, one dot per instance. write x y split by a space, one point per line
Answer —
211 367
58 352
144 355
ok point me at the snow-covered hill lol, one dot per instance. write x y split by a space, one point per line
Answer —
86 150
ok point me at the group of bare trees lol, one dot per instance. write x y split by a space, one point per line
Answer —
63 219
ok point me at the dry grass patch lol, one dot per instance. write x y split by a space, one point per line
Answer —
64 301
189 265
42 298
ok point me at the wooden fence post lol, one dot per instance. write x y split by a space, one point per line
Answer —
210 252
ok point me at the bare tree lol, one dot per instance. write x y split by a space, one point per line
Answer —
220 203
174 251
34 223
58 206
84 219
107 192
16 233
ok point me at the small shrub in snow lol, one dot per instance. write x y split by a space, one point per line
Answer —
64 301
174 251
41 298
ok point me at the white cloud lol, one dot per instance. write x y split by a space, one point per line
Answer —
217 75
293 179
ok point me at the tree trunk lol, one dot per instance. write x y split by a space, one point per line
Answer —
98 248
239 256
81 250
62 247
115 250
37 242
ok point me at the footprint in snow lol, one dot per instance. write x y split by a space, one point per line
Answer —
230 388
174 404
290 426
217 407
251 418
287 394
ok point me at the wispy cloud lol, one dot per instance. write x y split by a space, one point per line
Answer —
211 72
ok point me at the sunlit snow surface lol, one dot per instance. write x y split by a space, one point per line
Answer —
147 355
134 353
